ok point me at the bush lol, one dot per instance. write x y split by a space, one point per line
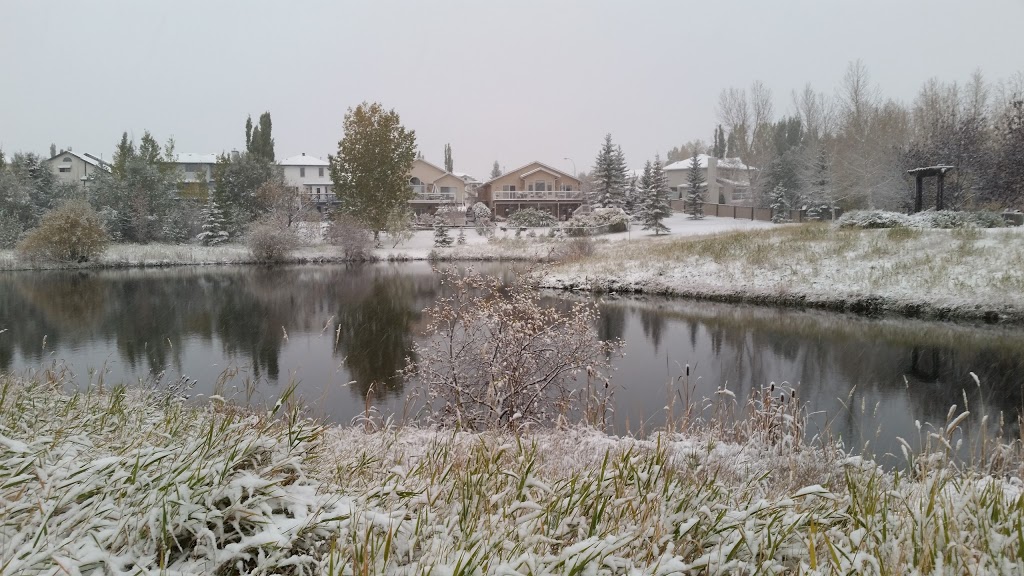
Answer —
270 242
599 221
873 219
10 230
499 359
481 211
575 249
354 239
73 232
946 219
531 217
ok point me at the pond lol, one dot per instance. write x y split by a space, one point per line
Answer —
247 332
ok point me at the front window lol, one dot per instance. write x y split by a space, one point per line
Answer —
566 187
321 171
302 171
450 190
540 185
65 168
508 188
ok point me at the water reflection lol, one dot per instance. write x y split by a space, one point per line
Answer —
327 326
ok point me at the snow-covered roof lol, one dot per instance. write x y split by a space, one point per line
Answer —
466 177
87 158
540 169
702 161
304 160
194 158
554 171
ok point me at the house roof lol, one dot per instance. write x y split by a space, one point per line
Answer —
432 165
194 158
87 158
540 169
304 160
468 179
554 171
702 162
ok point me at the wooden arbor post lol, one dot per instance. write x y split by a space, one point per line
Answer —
919 176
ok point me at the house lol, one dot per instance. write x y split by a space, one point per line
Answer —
310 177
728 179
434 187
195 174
534 185
72 167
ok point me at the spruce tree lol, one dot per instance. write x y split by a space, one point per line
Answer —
449 165
441 237
495 170
779 204
214 231
124 152
695 198
655 190
609 176
634 196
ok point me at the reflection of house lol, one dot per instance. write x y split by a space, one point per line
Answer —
310 177
433 187
72 167
728 179
195 174
535 185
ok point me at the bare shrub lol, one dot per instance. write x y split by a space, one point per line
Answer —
498 359
270 242
72 232
354 238
576 248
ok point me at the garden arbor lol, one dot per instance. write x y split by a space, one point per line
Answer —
920 174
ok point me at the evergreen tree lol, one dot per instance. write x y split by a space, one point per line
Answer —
441 237
779 204
731 150
821 200
720 145
124 152
655 205
149 149
633 198
461 239
449 165
371 169
495 170
248 133
214 227
609 176
695 197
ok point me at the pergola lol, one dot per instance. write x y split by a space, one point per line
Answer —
920 174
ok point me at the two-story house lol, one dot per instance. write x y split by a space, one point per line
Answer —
71 167
434 187
310 177
195 174
534 185
727 179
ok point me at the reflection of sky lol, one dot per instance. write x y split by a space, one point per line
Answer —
743 348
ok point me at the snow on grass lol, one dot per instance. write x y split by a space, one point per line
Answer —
138 483
961 272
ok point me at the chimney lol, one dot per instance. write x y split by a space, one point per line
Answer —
303 153
234 155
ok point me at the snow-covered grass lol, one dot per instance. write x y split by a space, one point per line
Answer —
131 482
967 273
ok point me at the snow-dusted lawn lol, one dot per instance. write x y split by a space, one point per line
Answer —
126 482
504 246
968 272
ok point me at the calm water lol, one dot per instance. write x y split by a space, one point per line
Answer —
250 329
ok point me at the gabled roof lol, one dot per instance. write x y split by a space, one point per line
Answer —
468 179
547 168
540 169
87 158
702 162
303 160
195 158
432 165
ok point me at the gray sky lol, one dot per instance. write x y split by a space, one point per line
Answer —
507 81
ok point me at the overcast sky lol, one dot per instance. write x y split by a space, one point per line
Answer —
507 81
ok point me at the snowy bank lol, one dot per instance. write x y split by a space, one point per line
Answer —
974 274
141 483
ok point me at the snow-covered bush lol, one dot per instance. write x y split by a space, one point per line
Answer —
599 221
499 359
351 235
873 219
531 218
270 242
574 249
72 232
481 211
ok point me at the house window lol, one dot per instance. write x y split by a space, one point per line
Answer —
450 190
302 171
321 171
508 188
566 187
65 168
191 168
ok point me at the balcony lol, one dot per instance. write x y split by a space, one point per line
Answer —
420 194
535 196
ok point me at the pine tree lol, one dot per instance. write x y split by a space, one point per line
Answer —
779 204
655 190
449 165
124 152
634 197
495 170
461 239
441 237
609 176
695 198
213 225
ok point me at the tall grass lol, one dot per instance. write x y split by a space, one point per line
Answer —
135 482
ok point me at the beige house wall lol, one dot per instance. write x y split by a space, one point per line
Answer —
425 172
450 180
79 168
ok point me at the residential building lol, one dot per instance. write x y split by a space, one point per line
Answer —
727 179
433 187
195 174
534 185
72 167
310 177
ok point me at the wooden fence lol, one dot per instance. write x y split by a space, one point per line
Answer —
745 212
